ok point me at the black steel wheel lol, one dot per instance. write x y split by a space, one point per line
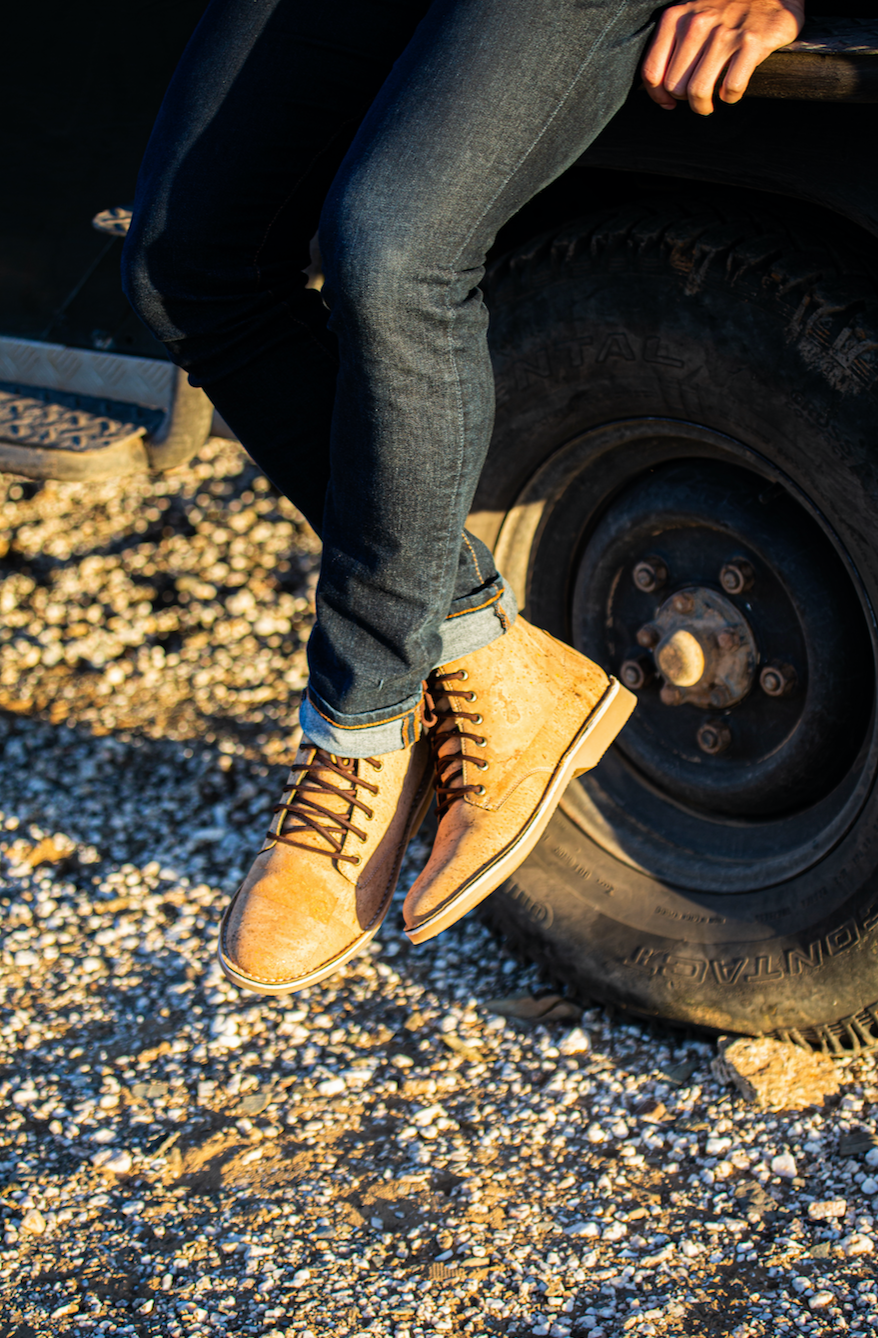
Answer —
683 484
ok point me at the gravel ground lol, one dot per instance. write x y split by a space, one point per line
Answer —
382 1154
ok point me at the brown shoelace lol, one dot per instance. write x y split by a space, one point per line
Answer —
449 767
311 817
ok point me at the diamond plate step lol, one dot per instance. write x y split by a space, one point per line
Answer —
72 436
76 414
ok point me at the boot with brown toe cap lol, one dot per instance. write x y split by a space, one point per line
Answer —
510 726
321 886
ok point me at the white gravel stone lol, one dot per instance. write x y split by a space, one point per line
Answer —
576 1042
857 1243
331 1087
310 1161
113 1163
820 1300
33 1222
588 1229
784 1165
826 1209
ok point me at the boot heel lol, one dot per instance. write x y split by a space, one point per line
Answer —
608 718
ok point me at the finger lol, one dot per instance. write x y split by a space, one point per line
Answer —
707 73
694 39
659 51
740 71
661 96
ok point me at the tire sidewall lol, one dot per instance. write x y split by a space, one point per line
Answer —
627 329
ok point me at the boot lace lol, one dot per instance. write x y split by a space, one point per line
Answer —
321 779
445 725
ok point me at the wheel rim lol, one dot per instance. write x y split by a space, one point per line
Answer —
747 761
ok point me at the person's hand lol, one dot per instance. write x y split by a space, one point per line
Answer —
702 41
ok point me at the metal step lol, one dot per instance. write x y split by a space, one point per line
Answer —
75 414
48 427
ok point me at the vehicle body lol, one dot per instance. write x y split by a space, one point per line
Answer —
683 482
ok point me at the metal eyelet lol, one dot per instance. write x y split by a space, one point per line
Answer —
355 859
481 742
481 790
462 675
469 696
378 766
478 719
483 766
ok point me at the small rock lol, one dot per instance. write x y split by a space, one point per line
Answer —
302 1277
856 1244
113 1163
576 1042
526 1008
583 1229
453 1043
332 1086
820 1300
679 1074
869 1185
754 1200
775 1075
258 1101
650 1110
784 1166
871 1158
824 1209
34 1222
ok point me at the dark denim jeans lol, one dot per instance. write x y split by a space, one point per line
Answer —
377 426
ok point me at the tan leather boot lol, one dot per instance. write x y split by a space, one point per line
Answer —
512 725
321 886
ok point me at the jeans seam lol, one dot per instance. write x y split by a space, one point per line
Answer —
472 553
372 724
487 604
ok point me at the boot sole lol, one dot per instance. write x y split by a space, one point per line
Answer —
420 808
586 750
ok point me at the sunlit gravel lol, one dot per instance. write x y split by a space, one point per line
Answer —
381 1154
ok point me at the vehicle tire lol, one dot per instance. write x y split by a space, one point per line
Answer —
694 393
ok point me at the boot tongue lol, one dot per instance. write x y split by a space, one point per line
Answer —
305 788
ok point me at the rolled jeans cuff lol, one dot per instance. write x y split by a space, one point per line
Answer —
375 732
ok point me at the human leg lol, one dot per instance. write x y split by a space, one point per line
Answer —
491 101
257 118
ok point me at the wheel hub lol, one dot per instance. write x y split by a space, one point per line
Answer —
735 623
703 647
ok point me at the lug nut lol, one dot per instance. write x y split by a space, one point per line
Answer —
648 636
682 603
714 737
670 695
649 574
778 680
637 673
736 576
